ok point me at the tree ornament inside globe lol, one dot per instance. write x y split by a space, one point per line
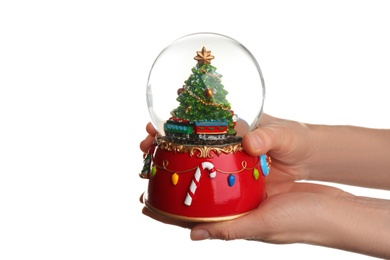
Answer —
197 62
204 92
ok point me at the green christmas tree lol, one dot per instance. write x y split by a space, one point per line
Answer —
203 97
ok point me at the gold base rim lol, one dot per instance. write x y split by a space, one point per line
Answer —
192 219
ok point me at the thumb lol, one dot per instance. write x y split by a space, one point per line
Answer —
277 135
264 139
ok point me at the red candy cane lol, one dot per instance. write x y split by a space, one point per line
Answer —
195 180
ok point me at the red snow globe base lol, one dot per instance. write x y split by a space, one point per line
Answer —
204 183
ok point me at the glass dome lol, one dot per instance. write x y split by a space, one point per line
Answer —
202 77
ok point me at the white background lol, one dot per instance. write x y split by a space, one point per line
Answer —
73 110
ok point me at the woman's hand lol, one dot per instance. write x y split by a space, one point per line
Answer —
312 214
298 212
340 154
287 142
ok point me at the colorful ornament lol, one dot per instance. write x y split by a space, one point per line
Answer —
255 174
265 162
203 57
175 178
195 180
154 171
145 169
208 93
147 162
231 180
179 91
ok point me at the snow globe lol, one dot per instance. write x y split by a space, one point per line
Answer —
204 92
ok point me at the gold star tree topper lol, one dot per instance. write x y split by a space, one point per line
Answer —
203 57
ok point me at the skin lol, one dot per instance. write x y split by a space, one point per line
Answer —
304 212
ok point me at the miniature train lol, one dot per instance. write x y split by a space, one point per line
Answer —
207 129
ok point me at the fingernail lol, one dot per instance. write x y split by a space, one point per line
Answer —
199 234
255 140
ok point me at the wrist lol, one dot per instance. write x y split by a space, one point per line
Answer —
347 154
355 224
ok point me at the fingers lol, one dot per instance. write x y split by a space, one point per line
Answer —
282 137
249 226
319 189
263 139
148 141
150 129
274 188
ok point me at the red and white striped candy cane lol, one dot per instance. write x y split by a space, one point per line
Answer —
195 180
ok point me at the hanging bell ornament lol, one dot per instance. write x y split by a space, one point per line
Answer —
209 93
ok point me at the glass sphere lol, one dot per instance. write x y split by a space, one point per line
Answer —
230 81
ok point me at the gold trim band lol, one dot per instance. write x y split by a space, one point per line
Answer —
203 151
